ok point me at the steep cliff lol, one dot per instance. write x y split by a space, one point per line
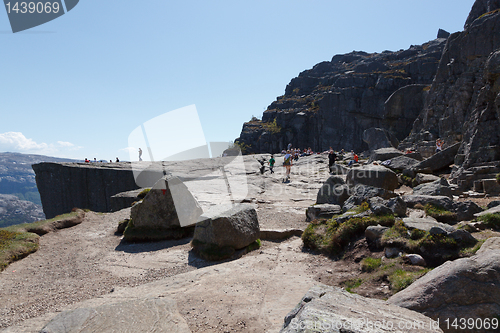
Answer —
463 104
63 186
335 101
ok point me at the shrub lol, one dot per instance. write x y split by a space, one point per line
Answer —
352 284
498 178
370 264
272 127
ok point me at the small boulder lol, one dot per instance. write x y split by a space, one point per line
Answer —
324 211
392 252
374 233
361 193
395 206
397 164
414 259
422 178
427 224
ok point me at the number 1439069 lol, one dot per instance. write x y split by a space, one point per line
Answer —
32 7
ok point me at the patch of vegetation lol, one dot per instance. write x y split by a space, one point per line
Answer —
489 13
470 251
242 146
40 227
370 264
15 246
331 237
435 249
490 220
400 279
272 127
121 226
498 178
143 193
439 213
352 284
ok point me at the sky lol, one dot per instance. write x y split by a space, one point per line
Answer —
79 86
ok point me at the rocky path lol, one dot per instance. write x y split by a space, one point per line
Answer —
88 265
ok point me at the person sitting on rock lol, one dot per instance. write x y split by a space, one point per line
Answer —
354 158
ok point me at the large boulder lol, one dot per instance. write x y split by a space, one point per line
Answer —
379 138
463 288
165 212
440 160
373 175
361 193
438 187
331 309
334 191
400 163
233 226
383 154
141 315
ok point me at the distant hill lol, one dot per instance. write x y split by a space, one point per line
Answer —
18 178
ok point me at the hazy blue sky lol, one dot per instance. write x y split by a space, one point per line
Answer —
79 85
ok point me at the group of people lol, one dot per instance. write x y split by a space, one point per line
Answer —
100 161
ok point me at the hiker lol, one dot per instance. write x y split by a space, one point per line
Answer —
262 167
288 163
140 154
271 163
331 159
117 160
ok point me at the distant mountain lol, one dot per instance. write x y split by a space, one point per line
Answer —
18 178
15 211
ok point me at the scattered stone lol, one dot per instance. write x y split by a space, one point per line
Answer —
493 210
279 234
374 233
493 204
462 236
437 231
463 288
426 224
422 178
415 259
324 211
438 187
334 191
141 315
330 308
392 252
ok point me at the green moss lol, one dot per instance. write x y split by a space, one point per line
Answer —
370 264
491 220
401 279
143 193
352 284
498 178
439 213
15 246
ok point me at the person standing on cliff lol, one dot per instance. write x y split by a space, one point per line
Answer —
331 159
288 163
140 154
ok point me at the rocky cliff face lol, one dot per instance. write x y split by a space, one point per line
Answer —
63 186
335 101
463 104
